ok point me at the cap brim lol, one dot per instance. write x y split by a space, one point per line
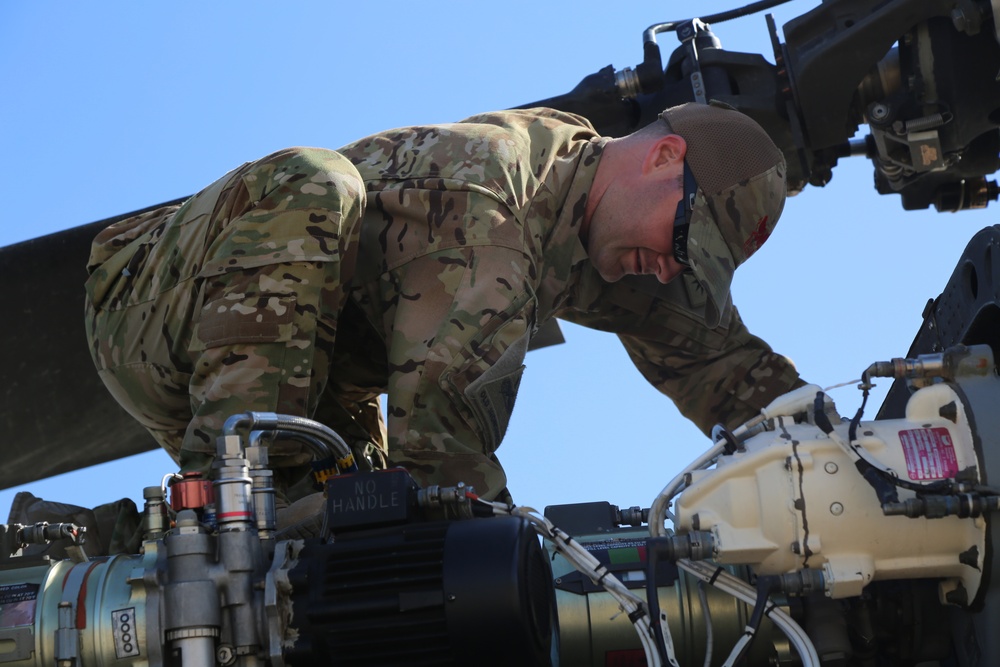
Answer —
710 260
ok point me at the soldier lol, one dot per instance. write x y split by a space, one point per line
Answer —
419 262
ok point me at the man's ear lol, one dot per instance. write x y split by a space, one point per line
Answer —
664 152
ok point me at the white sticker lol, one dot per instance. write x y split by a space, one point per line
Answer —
126 637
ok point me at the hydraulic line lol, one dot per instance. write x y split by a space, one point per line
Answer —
649 35
328 440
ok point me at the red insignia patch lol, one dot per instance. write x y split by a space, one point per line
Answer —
756 238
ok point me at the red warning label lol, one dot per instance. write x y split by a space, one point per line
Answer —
930 453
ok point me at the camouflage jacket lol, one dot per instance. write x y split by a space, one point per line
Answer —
469 242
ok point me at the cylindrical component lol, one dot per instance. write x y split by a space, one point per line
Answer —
89 614
460 592
633 516
882 81
801 582
234 510
454 501
154 513
234 507
191 603
627 82
239 554
593 631
44 532
195 650
953 363
192 491
926 365
935 507
262 490
695 545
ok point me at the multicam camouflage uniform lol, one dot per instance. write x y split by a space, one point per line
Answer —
229 302
259 294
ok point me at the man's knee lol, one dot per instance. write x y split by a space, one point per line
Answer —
313 177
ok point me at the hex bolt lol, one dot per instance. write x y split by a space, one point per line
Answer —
225 655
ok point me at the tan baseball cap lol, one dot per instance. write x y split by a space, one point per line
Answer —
734 195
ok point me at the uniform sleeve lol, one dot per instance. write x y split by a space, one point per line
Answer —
723 375
727 381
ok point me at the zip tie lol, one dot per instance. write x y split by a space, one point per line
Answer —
636 615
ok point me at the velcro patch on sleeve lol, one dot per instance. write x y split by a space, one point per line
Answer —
257 319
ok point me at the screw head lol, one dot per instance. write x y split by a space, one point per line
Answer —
836 509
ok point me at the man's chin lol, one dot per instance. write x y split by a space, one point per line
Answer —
612 278
610 272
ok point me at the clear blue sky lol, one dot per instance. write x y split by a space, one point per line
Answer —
115 106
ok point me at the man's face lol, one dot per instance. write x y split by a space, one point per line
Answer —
631 232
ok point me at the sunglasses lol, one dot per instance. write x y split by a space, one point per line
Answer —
682 218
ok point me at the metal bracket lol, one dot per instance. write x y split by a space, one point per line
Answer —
23 639
686 33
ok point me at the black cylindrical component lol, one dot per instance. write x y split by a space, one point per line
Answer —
650 70
477 591
508 593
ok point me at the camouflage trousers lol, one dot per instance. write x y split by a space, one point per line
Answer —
229 303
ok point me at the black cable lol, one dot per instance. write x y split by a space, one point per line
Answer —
870 472
653 599
852 431
885 489
765 585
819 414
729 14
883 484
746 10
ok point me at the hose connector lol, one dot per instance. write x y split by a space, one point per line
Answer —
696 545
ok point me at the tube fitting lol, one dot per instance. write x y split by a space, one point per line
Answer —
696 545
